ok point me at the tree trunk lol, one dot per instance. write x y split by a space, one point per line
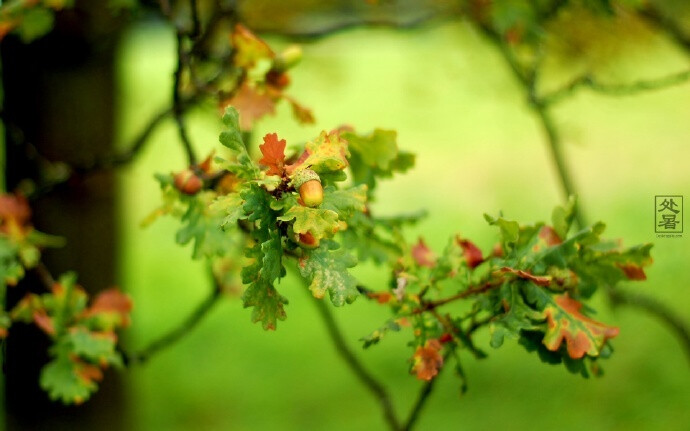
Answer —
59 91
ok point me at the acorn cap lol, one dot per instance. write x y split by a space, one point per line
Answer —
304 175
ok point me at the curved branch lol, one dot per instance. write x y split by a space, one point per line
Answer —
184 328
357 367
630 89
422 398
657 309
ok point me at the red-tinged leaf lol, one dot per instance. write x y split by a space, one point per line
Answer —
43 321
632 271
111 301
87 372
472 253
251 104
248 47
3 333
380 297
423 255
302 158
273 151
549 235
14 208
540 280
446 338
582 334
300 112
207 164
427 360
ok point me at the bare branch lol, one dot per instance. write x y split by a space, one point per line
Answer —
178 111
630 89
357 367
657 309
174 335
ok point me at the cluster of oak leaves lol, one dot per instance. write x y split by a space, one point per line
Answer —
308 209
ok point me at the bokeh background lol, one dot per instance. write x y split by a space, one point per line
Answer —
479 149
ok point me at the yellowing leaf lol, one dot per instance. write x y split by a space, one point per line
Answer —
319 222
328 153
581 334
249 49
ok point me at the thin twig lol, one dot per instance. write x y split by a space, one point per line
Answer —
174 335
177 102
424 393
657 309
357 367
527 79
630 89
44 275
430 305
196 23
668 25
311 35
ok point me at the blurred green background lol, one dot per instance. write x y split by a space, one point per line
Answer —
479 149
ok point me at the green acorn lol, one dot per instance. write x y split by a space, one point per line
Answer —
308 183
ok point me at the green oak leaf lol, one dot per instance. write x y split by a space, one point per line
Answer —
327 153
377 149
321 223
231 205
326 271
231 137
267 302
93 346
66 380
345 202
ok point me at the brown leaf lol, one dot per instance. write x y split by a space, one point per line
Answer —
540 280
44 322
14 209
248 47
111 301
273 151
251 105
423 255
549 235
632 271
381 297
301 113
427 360
472 253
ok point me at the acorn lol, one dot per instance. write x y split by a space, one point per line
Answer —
188 182
307 240
309 185
288 58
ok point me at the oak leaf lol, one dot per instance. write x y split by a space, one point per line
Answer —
273 151
582 334
251 105
423 255
427 360
472 253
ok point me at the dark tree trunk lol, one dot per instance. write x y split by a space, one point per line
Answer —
59 91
